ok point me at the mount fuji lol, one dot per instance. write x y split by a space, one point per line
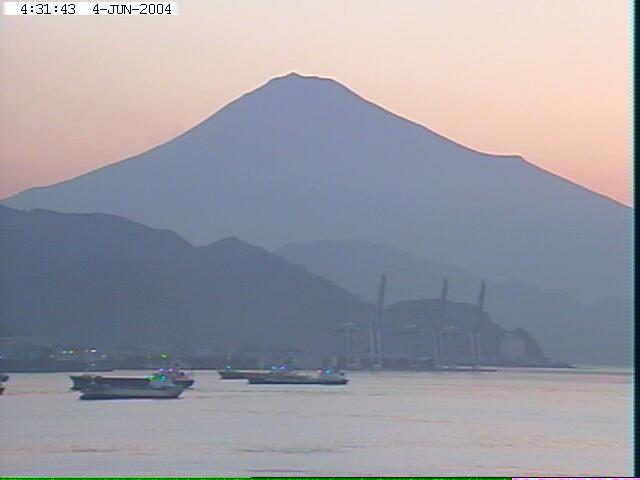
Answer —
305 158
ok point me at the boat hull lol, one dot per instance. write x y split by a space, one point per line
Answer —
232 375
266 381
82 381
297 381
107 392
242 374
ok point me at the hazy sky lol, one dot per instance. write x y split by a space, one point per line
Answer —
549 80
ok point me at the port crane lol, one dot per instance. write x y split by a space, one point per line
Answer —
375 322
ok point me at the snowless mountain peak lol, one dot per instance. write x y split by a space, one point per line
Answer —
304 157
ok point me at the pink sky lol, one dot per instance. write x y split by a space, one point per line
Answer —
548 80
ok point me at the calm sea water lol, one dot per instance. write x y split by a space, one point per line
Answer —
511 422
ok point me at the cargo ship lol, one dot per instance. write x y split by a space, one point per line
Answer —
229 373
159 386
321 377
178 377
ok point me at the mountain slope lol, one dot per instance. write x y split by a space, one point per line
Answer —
356 266
572 331
98 279
101 280
303 158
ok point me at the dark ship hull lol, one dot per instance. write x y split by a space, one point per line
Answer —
109 392
80 382
241 374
